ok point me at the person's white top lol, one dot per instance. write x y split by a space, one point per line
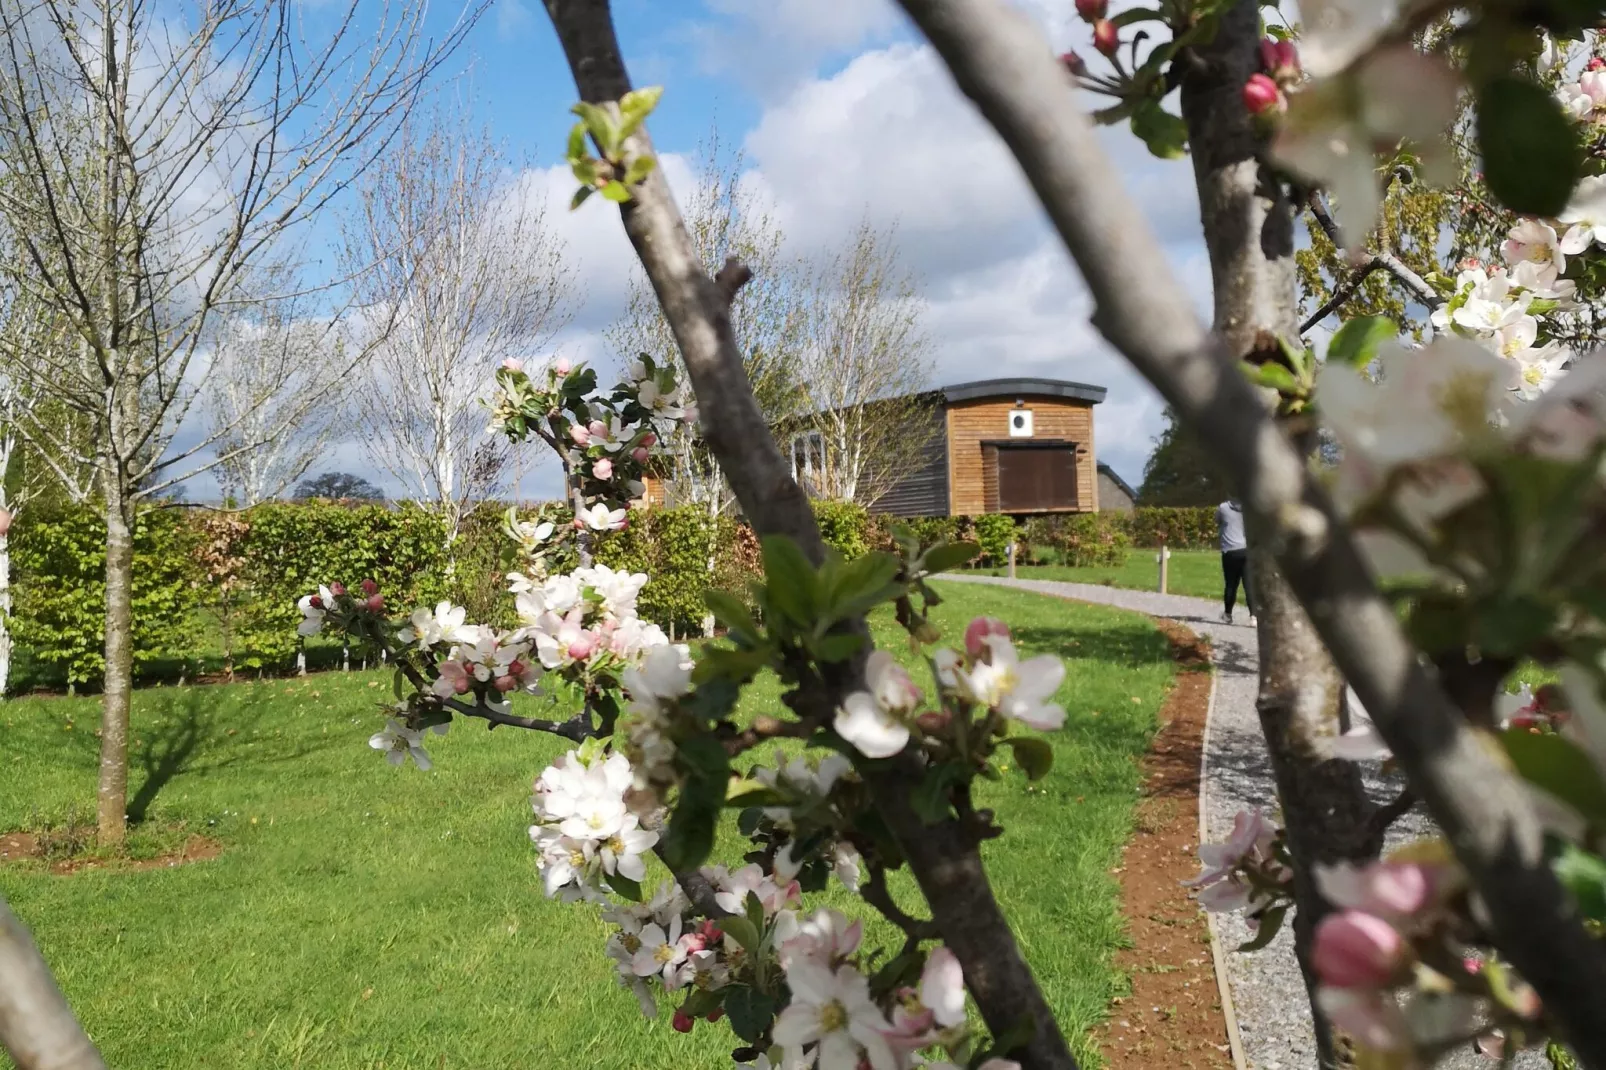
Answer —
1230 519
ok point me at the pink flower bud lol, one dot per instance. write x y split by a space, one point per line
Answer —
369 587
1356 950
460 685
640 454
1262 97
579 525
649 439
1074 63
583 647
505 684
716 1014
518 668
581 436
1105 37
315 602
337 589
602 469
1092 9
979 629
375 603
1280 59
931 723
710 931
562 366
1595 63
693 943
682 1022
513 365
598 429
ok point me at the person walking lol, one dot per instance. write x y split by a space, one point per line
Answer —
1234 559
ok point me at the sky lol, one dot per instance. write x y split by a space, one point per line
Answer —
842 114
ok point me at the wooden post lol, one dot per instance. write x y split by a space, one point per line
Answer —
1164 557
1011 560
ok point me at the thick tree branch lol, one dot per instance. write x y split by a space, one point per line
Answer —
943 857
1385 816
1000 60
36 1025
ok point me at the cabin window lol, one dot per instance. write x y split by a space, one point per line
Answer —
1035 479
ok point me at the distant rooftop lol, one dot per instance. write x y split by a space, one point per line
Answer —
1054 388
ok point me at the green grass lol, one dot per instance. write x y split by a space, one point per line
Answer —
1191 572
364 916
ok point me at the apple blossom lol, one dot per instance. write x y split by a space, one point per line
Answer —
734 887
640 454
978 630
599 517
661 952
513 364
400 743
1586 97
1336 127
942 987
1090 10
826 936
454 678
1352 949
1394 891
444 625
602 468
1534 240
831 1013
1019 690
1584 216
580 435
1370 1015
1280 60
313 607
562 366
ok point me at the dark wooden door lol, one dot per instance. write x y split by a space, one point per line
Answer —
1036 478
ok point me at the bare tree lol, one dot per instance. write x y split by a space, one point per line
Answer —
153 158
866 365
463 260
274 397
727 219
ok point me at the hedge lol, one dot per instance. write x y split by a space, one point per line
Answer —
219 589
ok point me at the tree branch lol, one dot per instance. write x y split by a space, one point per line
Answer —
1384 258
1385 816
1000 60
731 278
1341 294
875 892
37 1026
943 857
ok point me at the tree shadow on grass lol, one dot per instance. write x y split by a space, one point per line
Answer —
1130 646
197 734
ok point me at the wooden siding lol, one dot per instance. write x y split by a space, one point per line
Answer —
973 476
924 490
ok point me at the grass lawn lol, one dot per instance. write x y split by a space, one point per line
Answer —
365 916
1191 572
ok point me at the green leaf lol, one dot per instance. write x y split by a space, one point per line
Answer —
1584 875
729 611
1274 376
1559 767
947 555
1138 14
718 663
856 581
635 106
1033 755
790 580
639 169
690 835
1530 149
750 1011
603 124
580 196
617 192
1357 341
741 930
839 647
1270 923
626 887
1510 626
1165 134
930 800
754 906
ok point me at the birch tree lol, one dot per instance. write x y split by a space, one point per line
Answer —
867 363
154 158
461 258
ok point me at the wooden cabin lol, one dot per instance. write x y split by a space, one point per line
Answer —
1018 446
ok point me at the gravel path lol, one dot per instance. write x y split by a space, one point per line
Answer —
1267 990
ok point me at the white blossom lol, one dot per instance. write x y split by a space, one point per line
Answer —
400 743
1020 690
313 614
832 1015
599 517
444 625
1585 216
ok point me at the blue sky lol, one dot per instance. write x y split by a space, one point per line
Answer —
843 115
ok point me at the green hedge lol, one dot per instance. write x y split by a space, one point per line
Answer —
215 589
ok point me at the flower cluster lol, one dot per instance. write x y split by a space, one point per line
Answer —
655 723
584 833
1249 872
989 675
584 618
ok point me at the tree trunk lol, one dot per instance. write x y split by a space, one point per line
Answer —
5 614
112 802
1249 229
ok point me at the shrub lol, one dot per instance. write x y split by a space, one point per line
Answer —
679 549
1181 528
845 526
1093 539
993 533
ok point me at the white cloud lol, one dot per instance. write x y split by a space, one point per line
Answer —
513 19
769 45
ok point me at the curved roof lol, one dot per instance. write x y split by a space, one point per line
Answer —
1054 388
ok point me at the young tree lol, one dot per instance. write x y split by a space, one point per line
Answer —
276 393
338 485
1181 471
153 160
726 219
866 366
463 262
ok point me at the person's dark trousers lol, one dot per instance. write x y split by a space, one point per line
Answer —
1235 570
